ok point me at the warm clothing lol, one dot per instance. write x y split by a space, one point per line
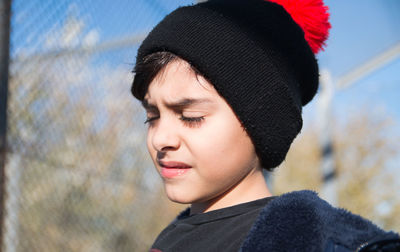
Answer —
301 221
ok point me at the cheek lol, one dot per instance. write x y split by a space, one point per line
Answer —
149 144
224 144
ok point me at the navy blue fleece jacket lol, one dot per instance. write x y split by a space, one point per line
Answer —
301 221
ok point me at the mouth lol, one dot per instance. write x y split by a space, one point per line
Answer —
171 169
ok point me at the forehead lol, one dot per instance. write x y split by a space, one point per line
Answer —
176 80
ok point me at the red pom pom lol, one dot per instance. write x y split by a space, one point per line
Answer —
312 16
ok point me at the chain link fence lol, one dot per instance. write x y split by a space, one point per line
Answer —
78 173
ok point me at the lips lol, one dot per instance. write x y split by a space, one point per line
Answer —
173 164
171 169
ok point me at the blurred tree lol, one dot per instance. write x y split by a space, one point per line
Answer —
366 148
365 151
86 182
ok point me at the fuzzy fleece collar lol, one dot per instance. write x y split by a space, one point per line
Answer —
301 221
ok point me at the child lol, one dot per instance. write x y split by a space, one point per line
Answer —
223 84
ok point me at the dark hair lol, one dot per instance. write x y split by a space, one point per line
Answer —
147 69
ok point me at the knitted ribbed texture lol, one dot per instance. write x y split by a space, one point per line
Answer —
256 57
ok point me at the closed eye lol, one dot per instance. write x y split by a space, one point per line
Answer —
188 121
151 119
192 121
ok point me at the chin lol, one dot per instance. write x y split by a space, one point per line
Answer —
178 196
180 200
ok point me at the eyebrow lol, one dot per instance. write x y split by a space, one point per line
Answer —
177 105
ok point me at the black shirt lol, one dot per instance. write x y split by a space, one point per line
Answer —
219 230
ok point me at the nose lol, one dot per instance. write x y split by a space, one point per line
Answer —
165 135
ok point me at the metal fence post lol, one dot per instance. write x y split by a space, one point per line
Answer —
5 13
328 166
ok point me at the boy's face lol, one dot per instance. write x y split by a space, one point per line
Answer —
195 140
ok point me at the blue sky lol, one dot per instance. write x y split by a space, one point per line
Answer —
361 30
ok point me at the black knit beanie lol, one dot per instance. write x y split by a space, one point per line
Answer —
255 55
